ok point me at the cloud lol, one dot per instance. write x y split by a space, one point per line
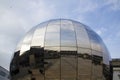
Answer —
11 21
16 19
5 60
18 16
85 6
12 28
7 46
113 4
34 11
101 31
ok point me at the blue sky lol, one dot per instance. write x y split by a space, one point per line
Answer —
19 16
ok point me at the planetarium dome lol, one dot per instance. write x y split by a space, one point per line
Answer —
60 49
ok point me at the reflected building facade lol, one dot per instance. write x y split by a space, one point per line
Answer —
4 74
116 68
60 49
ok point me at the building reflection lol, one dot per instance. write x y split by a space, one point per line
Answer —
60 49
40 64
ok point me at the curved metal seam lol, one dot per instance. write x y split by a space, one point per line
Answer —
44 44
91 52
76 48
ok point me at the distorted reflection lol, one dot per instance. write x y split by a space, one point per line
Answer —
95 42
50 63
67 35
52 68
60 49
52 37
81 35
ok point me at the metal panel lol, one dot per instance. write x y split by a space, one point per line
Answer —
52 63
95 43
52 37
26 42
67 35
81 35
68 64
38 37
84 64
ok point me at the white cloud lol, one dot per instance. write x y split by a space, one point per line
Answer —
17 18
10 20
7 45
34 11
101 31
85 6
12 27
113 4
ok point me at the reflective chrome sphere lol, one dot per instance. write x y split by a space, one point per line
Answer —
60 49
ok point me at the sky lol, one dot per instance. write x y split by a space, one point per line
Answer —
19 16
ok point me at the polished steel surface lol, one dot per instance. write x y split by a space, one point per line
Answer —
60 49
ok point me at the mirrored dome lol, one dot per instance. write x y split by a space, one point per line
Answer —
60 49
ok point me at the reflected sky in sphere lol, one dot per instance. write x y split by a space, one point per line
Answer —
61 49
63 33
